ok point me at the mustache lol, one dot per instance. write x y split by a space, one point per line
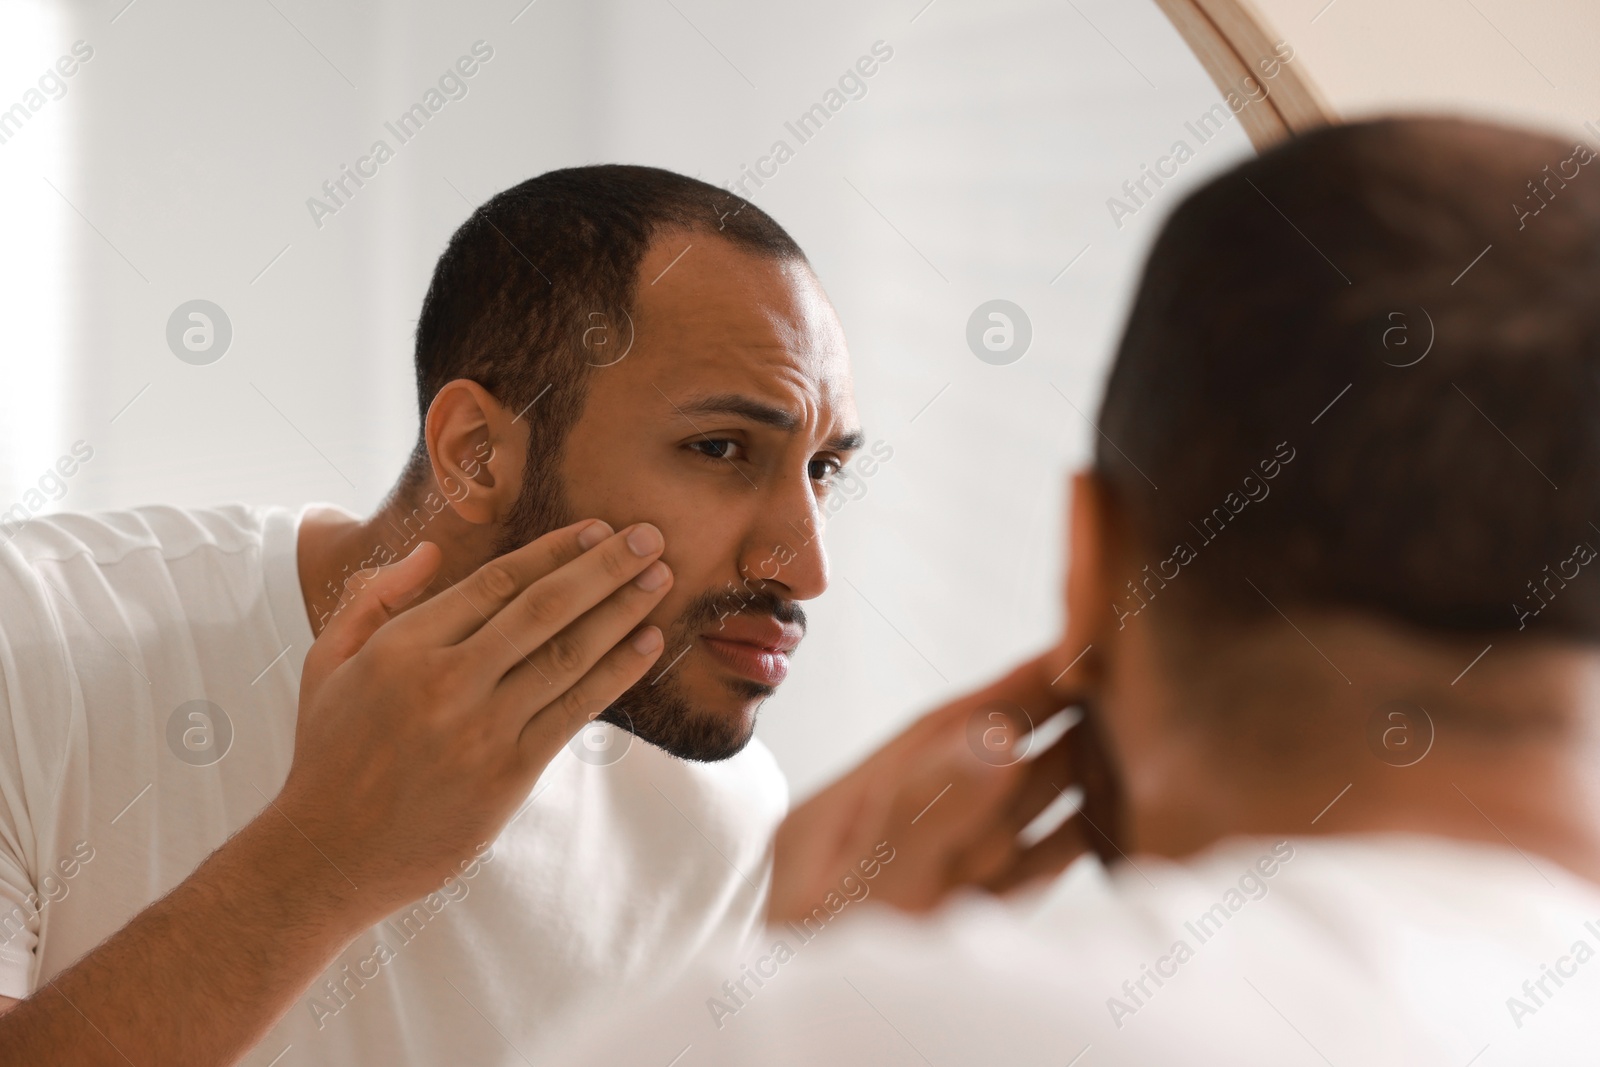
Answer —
709 608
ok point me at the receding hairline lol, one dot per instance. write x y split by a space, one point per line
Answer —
493 314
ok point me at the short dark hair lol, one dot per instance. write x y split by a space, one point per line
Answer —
1282 312
513 292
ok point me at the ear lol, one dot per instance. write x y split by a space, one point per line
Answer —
477 449
1086 589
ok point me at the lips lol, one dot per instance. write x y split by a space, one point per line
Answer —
754 648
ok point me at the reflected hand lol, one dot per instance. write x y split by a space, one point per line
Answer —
949 796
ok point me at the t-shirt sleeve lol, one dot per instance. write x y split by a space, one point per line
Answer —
35 707
19 912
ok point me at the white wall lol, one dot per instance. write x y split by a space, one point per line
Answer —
990 142
33 253
1517 61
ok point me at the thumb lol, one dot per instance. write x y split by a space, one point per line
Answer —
368 603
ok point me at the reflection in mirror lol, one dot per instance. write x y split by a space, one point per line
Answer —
278 748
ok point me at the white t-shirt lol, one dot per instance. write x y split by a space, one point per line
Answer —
1357 951
123 633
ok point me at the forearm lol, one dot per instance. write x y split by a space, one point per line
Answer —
201 975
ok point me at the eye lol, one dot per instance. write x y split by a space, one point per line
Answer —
716 447
823 468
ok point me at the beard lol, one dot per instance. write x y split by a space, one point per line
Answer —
657 708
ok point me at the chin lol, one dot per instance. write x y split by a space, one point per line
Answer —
729 709
699 719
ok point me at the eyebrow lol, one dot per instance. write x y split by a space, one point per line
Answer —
764 414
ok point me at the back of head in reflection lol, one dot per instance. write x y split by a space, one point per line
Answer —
1340 521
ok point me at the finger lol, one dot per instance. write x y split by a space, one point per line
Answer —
998 860
1095 771
1024 694
544 734
463 609
1037 778
981 860
951 809
561 662
986 858
1071 668
549 605
987 844
1047 858
372 602
1079 759
1045 777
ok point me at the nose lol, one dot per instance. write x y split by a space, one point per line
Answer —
785 548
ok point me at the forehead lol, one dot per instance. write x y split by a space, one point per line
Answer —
710 317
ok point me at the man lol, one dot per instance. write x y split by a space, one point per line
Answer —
1328 602
633 396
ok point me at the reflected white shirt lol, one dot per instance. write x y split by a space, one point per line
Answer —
1354 950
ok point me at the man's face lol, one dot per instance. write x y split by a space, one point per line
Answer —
722 426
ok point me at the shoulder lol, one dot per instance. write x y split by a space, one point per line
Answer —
72 582
127 569
968 985
1164 961
107 537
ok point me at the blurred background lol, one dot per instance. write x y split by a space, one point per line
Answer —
176 162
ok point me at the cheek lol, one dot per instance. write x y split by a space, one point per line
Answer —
702 548
705 520
667 613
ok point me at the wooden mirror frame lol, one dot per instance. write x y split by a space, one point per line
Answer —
1230 40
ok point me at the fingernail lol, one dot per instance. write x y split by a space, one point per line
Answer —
653 577
644 539
593 534
647 642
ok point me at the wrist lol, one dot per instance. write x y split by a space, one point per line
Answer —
298 883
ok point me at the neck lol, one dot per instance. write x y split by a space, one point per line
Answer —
1277 742
334 551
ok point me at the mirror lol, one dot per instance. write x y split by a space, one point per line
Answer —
224 219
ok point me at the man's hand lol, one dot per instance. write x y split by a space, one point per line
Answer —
949 795
420 735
